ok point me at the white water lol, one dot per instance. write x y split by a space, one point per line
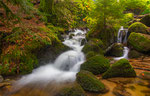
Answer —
120 39
64 68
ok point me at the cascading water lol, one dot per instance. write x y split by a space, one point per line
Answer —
64 68
122 38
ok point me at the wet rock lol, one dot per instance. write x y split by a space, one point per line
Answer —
96 65
139 42
71 36
146 20
116 50
90 83
119 90
121 68
73 90
83 42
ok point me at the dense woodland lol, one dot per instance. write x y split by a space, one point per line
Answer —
31 28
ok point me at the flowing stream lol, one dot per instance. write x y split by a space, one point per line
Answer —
64 68
122 38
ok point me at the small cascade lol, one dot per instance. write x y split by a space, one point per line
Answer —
122 35
64 68
122 38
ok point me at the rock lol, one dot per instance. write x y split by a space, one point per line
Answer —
121 68
1 79
83 42
145 75
73 90
96 65
146 20
116 50
120 90
139 42
71 36
108 37
89 82
138 27
134 54
90 54
93 45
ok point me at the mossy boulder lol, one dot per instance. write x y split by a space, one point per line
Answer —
116 50
146 20
134 54
72 90
97 64
107 35
121 68
95 45
139 42
138 27
89 82
90 54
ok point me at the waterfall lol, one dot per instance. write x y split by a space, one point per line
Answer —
122 38
64 68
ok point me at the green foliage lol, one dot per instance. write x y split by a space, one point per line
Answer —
89 82
96 65
139 42
135 6
121 68
138 27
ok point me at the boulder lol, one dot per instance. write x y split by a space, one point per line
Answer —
93 45
96 65
90 54
138 27
134 54
139 42
116 50
72 90
146 20
121 68
89 82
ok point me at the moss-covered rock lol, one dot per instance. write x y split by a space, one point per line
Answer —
121 68
116 50
138 27
146 20
139 42
89 82
90 54
93 45
96 65
134 54
108 37
72 90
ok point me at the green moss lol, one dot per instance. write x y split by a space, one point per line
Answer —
139 42
73 90
96 65
89 82
138 27
90 54
134 54
146 20
116 50
121 68
94 45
